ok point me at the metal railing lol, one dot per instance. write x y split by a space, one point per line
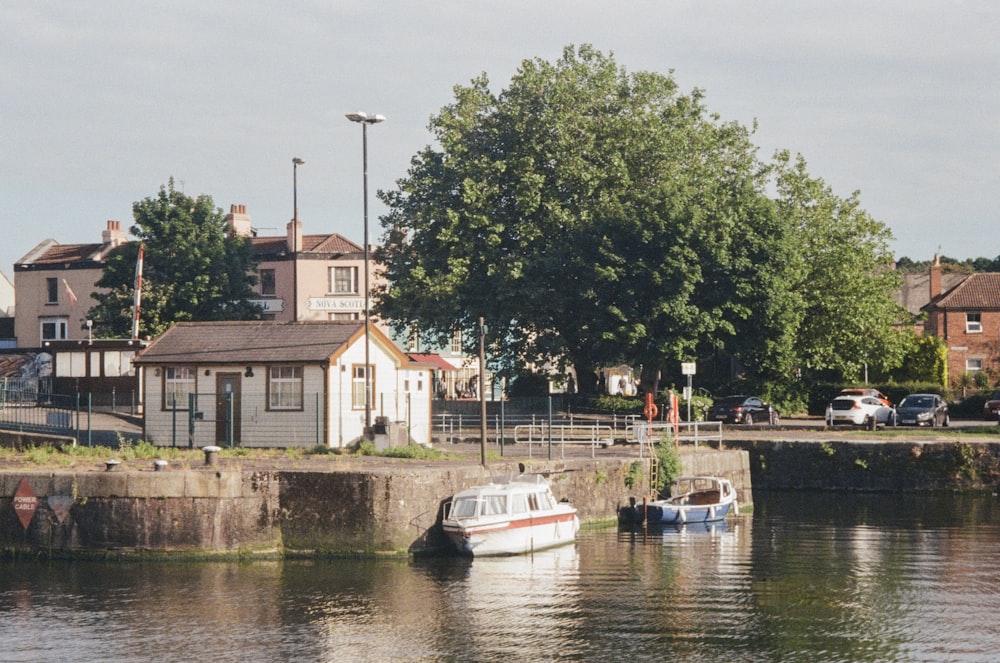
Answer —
693 432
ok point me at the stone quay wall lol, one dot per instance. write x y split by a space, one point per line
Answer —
872 465
364 511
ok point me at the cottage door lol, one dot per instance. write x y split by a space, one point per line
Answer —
227 388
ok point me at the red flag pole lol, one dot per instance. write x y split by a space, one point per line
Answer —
137 301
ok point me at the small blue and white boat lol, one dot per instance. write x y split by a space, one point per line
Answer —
694 499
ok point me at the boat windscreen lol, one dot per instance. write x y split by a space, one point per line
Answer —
465 507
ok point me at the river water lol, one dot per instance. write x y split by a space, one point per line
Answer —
809 577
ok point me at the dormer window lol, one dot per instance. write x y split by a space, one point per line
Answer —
973 322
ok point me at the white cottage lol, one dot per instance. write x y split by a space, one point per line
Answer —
279 384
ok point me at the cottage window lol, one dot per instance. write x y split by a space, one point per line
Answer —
344 317
54 329
456 342
344 280
973 322
52 290
358 387
973 365
178 383
267 287
284 387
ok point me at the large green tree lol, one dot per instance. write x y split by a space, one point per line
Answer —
592 216
846 283
193 268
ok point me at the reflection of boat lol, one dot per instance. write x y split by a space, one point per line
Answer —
509 518
692 499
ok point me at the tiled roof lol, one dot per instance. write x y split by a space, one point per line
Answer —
248 342
979 291
329 244
915 292
67 253
432 359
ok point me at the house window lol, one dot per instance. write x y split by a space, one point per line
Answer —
267 282
973 365
284 387
340 317
358 387
344 280
456 342
54 329
52 290
973 322
178 383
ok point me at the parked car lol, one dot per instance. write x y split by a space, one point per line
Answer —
864 391
743 410
991 408
867 411
922 410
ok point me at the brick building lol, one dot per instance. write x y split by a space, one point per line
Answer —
967 317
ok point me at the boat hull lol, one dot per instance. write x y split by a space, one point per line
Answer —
708 499
513 536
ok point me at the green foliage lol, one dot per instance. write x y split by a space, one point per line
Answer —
845 288
700 405
634 474
414 451
670 463
193 270
592 216
616 404
925 359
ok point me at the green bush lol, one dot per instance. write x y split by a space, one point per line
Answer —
670 463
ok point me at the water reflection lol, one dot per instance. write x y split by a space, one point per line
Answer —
809 577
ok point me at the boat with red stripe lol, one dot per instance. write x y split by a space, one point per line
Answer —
509 517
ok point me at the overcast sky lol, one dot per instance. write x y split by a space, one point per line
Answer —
101 102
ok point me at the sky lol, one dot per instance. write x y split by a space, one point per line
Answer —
102 102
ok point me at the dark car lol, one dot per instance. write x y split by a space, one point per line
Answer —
922 410
991 408
742 410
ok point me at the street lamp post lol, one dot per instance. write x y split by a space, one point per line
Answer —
296 162
365 119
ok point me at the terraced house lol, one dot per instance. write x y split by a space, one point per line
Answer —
967 317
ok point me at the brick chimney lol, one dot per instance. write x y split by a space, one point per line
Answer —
935 277
238 221
113 235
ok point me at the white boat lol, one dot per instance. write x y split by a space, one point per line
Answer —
511 517
695 499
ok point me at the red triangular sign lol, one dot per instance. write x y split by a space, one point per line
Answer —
25 503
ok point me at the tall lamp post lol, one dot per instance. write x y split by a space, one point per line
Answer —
365 119
296 162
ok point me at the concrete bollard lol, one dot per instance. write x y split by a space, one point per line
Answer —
159 465
211 454
111 465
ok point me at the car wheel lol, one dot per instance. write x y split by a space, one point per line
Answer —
748 419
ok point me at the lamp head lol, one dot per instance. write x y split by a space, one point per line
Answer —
365 117
297 161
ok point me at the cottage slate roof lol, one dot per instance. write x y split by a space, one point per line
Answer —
334 244
243 342
977 292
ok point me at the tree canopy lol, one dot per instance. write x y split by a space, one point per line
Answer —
193 269
595 216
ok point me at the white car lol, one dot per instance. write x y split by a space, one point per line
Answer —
866 411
